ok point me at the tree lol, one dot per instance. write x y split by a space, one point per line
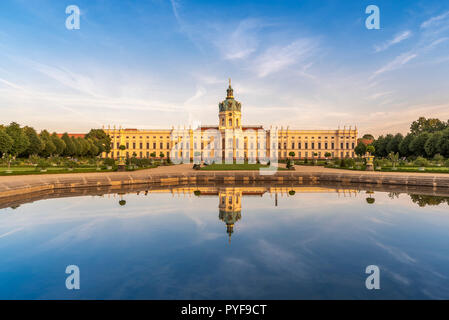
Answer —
289 160
76 146
381 145
327 154
161 155
417 144
443 145
431 147
92 148
427 125
59 144
20 140
404 146
49 147
360 149
69 145
438 158
86 146
370 149
394 157
83 146
36 145
393 144
100 139
5 142
368 136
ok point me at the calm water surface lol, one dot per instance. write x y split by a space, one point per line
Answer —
227 243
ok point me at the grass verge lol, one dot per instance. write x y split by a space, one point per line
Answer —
236 166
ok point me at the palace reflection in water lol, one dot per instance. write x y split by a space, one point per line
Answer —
289 241
230 198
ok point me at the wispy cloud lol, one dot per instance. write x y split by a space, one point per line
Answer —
10 232
277 58
398 38
200 92
435 20
12 85
396 63
378 95
175 5
397 118
430 35
242 41
397 253
67 78
436 42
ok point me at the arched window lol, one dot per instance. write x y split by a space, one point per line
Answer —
230 122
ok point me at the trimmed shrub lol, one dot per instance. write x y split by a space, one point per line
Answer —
109 162
421 162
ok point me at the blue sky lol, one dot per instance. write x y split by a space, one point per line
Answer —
154 64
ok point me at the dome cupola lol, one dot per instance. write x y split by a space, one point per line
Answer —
230 104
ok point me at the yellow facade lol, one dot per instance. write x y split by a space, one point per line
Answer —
232 140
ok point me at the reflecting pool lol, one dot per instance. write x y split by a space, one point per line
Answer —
226 242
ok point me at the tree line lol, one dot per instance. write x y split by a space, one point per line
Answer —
18 141
427 138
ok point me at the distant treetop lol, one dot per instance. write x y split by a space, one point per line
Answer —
427 125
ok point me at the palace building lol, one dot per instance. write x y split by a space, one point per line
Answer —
231 140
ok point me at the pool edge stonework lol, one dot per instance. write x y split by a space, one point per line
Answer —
14 185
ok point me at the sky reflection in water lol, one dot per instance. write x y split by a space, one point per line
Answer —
314 244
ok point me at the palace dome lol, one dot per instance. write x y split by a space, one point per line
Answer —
230 104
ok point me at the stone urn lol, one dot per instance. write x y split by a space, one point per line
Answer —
121 163
369 162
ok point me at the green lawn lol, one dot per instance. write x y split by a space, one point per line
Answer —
402 169
32 170
25 170
235 166
416 169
